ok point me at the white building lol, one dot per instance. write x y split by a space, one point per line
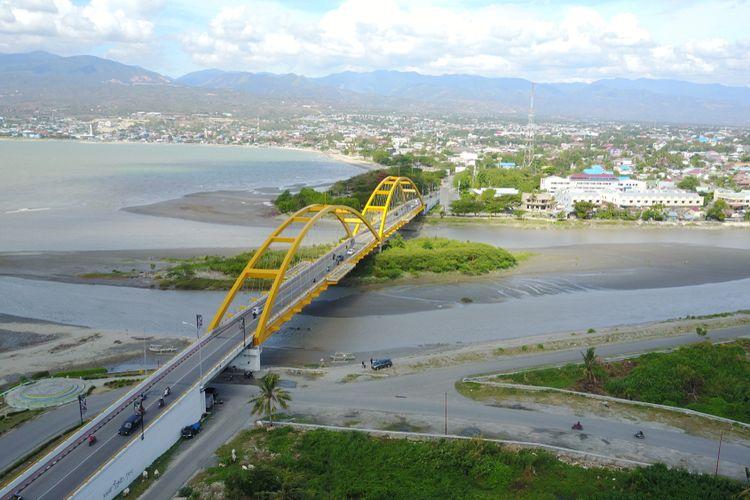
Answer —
586 182
736 200
677 198
674 198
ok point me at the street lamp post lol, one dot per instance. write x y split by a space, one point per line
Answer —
198 324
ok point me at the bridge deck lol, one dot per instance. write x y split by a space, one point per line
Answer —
62 472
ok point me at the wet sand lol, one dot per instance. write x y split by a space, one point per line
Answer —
239 208
31 345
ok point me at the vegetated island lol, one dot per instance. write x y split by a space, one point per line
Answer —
706 377
326 464
398 258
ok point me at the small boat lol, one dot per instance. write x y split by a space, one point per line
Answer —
342 356
160 349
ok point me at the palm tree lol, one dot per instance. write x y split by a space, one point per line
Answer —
589 364
270 396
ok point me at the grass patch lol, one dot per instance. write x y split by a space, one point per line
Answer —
350 377
288 463
85 373
114 275
706 377
433 255
12 420
123 382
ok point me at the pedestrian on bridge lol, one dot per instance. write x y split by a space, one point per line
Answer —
363 365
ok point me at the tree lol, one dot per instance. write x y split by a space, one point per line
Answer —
655 212
583 209
270 396
589 364
689 183
701 330
718 211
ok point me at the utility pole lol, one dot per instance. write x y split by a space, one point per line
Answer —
718 455
528 156
198 324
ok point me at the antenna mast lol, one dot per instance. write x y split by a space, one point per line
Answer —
528 156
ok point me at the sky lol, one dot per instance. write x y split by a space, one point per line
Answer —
542 40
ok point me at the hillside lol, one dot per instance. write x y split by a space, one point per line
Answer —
39 81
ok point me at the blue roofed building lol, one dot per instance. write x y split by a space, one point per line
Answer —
507 164
596 170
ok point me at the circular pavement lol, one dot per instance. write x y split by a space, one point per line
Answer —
46 392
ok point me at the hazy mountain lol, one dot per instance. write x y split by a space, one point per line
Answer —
86 84
38 68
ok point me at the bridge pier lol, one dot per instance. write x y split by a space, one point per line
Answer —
248 360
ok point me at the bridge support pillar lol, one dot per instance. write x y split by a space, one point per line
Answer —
248 360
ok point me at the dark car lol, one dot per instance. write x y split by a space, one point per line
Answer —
189 431
379 364
130 424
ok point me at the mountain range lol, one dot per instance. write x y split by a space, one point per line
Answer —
39 81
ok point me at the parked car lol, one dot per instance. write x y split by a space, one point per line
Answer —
379 364
132 422
189 431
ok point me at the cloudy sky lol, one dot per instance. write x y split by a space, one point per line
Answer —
543 40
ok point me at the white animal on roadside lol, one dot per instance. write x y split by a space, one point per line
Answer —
234 455
126 492
156 473
145 474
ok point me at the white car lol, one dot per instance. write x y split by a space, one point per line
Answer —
350 251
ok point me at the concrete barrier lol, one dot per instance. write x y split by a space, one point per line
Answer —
115 475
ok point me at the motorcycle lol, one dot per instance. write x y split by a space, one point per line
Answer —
92 439
639 435
161 402
577 426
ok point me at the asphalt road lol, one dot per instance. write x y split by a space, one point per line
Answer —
31 435
227 419
420 396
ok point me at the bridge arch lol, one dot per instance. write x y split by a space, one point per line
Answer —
390 189
309 216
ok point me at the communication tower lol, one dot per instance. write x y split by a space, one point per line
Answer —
528 156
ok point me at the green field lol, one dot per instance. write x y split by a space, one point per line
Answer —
706 377
287 463
433 255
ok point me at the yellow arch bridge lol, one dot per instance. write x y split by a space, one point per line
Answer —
287 281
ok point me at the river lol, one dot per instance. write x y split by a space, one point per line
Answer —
62 196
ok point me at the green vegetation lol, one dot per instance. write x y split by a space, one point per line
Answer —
709 378
718 211
121 382
115 274
354 192
487 202
689 183
220 272
489 175
286 463
13 419
435 255
85 373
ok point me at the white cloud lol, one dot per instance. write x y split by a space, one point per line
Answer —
576 43
61 25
